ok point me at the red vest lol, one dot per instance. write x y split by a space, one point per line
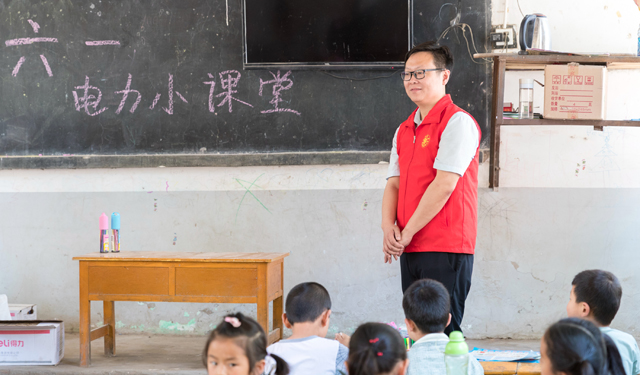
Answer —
454 228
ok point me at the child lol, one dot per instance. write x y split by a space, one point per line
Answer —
376 349
577 347
307 351
595 296
238 347
426 310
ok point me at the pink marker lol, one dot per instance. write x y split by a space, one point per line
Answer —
104 233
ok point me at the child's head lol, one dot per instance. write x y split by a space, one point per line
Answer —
308 303
426 305
238 345
576 346
377 349
595 295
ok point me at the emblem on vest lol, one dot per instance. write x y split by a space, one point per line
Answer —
425 141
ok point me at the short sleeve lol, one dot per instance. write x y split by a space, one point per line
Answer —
394 164
458 144
636 359
341 357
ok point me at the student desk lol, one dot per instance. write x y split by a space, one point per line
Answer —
176 277
510 368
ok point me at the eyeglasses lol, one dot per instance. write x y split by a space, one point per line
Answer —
419 74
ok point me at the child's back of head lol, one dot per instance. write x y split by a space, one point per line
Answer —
427 304
576 346
306 302
601 291
376 349
239 345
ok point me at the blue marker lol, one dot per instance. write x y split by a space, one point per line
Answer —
115 227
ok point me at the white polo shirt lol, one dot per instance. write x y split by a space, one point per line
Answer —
456 150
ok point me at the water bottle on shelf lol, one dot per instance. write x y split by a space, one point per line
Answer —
456 354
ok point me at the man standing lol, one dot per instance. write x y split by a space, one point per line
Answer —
429 209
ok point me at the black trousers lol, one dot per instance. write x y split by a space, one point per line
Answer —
452 270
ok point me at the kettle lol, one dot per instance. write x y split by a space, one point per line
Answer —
535 32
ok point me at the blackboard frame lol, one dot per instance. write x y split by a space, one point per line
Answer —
387 65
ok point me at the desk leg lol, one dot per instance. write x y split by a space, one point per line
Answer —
85 316
278 305
263 300
110 321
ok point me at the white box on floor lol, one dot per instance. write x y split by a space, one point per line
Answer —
575 91
31 342
23 312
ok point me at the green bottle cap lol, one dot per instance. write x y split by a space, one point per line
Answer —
456 345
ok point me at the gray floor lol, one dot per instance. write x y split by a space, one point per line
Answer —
141 355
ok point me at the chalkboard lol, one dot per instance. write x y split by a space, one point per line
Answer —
109 77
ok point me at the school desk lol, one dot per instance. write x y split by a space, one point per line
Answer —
510 368
176 277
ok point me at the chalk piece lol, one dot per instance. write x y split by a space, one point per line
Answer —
4 308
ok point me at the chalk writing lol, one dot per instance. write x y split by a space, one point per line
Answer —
102 43
27 41
88 100
212 107
229 83
125 94
168 109
34 25
278 87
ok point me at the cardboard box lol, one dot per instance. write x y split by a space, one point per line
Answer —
31 342
23 312
575 92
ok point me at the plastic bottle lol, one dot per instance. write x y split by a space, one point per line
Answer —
115 228
104 233
526 98
456 354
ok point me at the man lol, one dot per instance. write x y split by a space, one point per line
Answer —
429 209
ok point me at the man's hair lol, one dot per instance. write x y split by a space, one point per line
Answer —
427 304
306 302
601 290
442 57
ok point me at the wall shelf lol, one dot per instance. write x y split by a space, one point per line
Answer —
503 62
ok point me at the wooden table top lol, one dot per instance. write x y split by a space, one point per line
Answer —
168 256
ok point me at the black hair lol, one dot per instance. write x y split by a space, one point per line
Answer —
249 336
306 302
375 348
427 303
602 291
577 347
442 57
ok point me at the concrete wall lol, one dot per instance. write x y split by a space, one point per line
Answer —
546 223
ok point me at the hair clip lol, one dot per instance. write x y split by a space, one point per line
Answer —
373 341
379 354
233 321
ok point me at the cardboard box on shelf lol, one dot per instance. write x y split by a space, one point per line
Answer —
575 91
31 342
23 312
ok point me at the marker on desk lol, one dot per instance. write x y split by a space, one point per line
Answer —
104 233
115 228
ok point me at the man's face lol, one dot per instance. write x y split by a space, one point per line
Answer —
575 309
429 89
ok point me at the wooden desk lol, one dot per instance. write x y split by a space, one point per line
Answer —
177 277
510 368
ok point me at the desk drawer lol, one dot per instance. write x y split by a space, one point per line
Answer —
129 280
216 282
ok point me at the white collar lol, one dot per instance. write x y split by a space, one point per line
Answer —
433 337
